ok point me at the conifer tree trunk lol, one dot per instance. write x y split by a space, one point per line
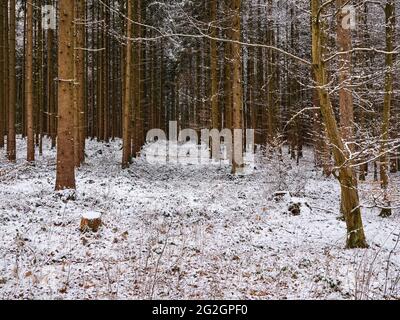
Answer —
65 146
105 75
79 122
271 79
384 163
127 110
138 92
228 76
2 74
214 67
7 67
11 136
40 80
50 90
29 83
237 91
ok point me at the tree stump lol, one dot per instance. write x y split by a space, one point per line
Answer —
91 221
295 209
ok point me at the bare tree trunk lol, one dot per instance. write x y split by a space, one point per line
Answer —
237 91
65 146
344 43
228 75
7 67
11 138
214 67
2 74
390 30
29 83
79 119
127 110
271 76
50 91
138 93
347 179
105 75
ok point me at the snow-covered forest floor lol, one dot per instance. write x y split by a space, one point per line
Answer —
192 232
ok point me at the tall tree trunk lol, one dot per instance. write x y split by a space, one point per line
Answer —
29 83
7 66
65 146
271 77
2 74
50 91
106 74
347 179
40 80
79 121
11 137
228 75
127 110
390 33
138 82
214 67
344 43
237 91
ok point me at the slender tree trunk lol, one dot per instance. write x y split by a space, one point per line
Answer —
29 83
40 81
79 130
127 110
390 33
51 108
138 84
237 91
7 67
65 146
2 74
11 137
106 73
344 43
214 67
271 79
228 79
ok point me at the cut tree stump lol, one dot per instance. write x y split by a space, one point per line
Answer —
91 221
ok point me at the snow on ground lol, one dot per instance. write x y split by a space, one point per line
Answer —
186 231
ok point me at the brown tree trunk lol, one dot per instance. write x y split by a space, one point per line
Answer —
214 67
50 91
39 83
65 146
29 83
7 67
11 138
344 43
138 83
228 79
127 110
390 30
79 121
237 91
271 77
2 74
347 179
105 75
